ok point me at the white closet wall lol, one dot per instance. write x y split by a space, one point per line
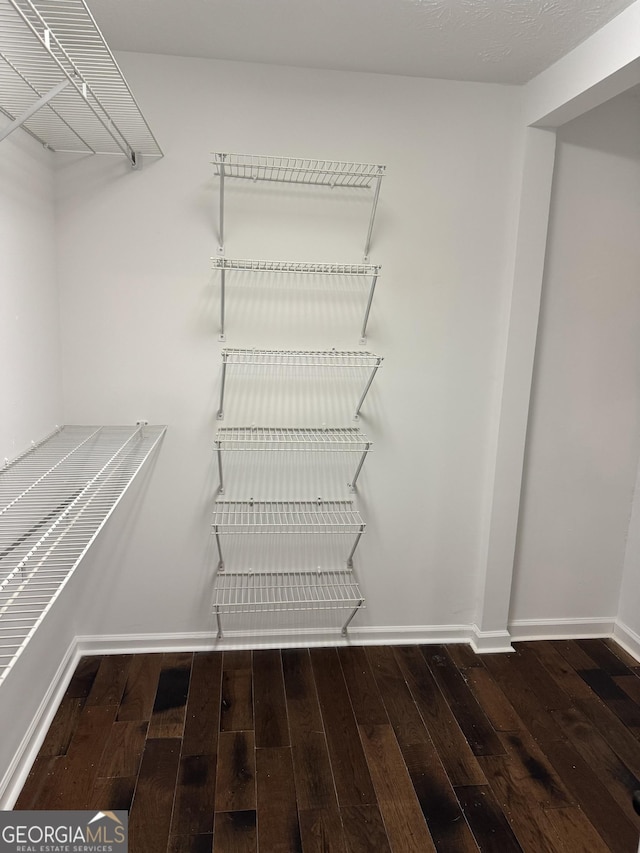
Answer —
584 425
140 318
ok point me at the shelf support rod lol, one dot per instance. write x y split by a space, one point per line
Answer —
353 550
363 333
376 194
221 560
222 302
352 484
352 614
219 635
221 215
219 454
364 393
26 115
222 384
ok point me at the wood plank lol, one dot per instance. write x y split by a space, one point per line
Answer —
401 812
569 829
32 795
573 654
312 769
402 711
455 753
630 684
603 657
202 721
558 668
236 773
350 770
617 735
236 709
84 676
235 832
593 797
62 727
169 707
486 819
463 656
474 723
108 685
237 659
278 828
195 796
150 816
366 701
303 708
588 741
496 706
190 843
625 656
321 831
269 705
613 696
548 692
364 829
113 794
123 750
140 688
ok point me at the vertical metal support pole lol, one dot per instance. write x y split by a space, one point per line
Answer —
376 194
353 613
219 623
364 393
221 486
224 379
221 219
352 484
363 333
222 303
221 560
353 550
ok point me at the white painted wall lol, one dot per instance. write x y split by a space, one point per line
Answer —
139 317
584 427
29 342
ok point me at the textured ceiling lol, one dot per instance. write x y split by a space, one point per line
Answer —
502 41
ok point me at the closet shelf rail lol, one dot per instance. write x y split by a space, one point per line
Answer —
61 83
54 500
225 265
298 170
289 517
300 359
296 439
247 592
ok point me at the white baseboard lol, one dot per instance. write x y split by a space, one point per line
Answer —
18 770
627 638
490 642
561 629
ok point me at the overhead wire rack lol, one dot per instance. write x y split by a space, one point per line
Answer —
371 271
296 439
298 170
54 500
240 592
300 359
61 83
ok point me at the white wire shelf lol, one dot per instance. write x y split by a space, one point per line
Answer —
225 265
246 592
290 439
238 517
54 500
298 170
60 81
299 359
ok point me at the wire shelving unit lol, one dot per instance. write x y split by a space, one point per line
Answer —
298 170
240 592
225 265
61 83
299 359
54 500
300 439
289 517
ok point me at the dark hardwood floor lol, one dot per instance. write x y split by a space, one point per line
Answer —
407 749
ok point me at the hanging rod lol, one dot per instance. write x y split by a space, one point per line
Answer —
299 268
300 439
298 170
256 592
54 500
61 83
299 358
